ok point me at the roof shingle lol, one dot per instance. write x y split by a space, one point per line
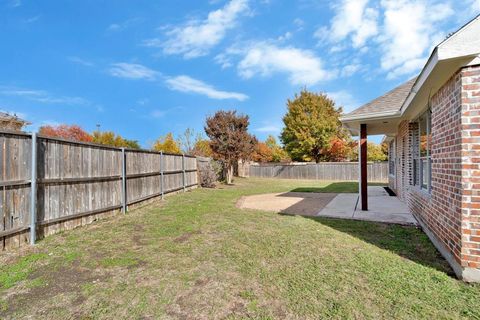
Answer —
390 101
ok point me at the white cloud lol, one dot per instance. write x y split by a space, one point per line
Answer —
42 96
196 37
354 19
404 31
115 27
287 35
269 128
223 60
185 83
80 61
350 69
474 5
32 19
344 99
132 71
299 23
15 3
303 67
409 32
158 114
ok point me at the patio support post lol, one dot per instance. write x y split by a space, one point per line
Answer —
363 167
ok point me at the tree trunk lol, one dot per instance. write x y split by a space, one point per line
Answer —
228 172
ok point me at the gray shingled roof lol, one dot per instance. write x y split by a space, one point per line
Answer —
9 117
390 101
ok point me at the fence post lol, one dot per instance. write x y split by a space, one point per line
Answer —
33 191
161 174
124 182
183 172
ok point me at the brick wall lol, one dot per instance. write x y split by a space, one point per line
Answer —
441 210
470 152
451 212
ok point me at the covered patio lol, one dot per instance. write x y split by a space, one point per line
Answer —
383 207
380 116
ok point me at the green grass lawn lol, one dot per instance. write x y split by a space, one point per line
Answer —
196 256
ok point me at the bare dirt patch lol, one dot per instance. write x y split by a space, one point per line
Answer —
139 235
60 283
185 237
298 203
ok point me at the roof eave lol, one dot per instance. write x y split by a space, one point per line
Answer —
370 117
422 77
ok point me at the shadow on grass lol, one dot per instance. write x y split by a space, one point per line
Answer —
336 187
406 241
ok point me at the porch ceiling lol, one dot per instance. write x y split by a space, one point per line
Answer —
382 125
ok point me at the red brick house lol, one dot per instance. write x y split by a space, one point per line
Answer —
432 125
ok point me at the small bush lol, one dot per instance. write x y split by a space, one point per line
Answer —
208 175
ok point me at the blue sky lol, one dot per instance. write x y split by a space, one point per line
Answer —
144 68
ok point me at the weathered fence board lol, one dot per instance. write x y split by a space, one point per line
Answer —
78 183
15 157
336 171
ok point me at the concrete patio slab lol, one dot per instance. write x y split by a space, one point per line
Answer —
382 206
300 203
377 191
342 206
385 208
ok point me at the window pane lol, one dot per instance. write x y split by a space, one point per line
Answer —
423 135
415 172
425 172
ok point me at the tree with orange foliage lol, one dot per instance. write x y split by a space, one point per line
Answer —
262 153
64 131
339 149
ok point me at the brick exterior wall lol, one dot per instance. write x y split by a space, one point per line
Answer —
470 167
451 212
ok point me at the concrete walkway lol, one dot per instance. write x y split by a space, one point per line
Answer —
381 208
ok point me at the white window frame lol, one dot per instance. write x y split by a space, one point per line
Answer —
421 160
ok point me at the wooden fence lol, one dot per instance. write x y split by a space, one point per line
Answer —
76 183
336 171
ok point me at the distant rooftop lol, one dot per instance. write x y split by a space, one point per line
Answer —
9 117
